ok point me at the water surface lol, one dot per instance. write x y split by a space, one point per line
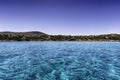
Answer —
59 61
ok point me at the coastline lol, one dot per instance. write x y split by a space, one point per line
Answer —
59 41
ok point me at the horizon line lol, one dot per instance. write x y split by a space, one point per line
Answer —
62 34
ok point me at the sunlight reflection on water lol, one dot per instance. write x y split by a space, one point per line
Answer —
59 61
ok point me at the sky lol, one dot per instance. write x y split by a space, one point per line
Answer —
66 17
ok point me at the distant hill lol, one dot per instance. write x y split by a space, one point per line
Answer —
40 36
30 33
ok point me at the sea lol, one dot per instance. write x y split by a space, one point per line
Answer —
59 61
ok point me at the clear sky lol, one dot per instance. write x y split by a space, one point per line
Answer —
68 17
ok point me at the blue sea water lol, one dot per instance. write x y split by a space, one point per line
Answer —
59 61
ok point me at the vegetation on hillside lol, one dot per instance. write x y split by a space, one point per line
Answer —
38 36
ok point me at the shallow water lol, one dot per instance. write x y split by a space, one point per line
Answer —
59 61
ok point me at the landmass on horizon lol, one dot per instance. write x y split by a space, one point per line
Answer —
40 36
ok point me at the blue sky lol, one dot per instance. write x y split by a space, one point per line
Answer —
68 17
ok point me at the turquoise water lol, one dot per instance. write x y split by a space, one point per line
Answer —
59 61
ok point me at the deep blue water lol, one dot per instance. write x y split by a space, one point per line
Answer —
59 61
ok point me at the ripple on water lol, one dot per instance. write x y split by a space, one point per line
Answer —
59 61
